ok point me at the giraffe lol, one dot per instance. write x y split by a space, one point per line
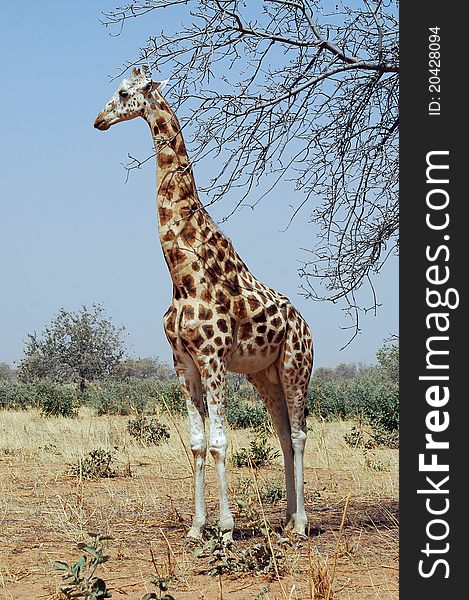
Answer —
221 318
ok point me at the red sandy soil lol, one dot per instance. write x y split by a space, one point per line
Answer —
42 498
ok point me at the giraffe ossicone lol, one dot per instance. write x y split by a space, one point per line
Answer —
221 317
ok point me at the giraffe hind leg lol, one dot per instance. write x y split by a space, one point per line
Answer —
295 365
274 398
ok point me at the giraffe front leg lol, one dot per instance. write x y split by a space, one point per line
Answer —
215 392
192 390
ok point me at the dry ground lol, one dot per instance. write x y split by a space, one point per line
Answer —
45 511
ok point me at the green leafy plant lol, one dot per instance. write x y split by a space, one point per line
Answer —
162 584
119 397
372 437
273 491
80 578
55 399
16 396
263 557
242 414
169 395
162 579
355 437
382 437
259 454
148 431
215 547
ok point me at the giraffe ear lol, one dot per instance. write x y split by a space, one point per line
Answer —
159 86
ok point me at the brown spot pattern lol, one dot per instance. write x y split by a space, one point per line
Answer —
188 311
246 332
176 256
222 325
208 330
165 215
188 234
206 295
165 159
189 285
205 314
169 236
253 303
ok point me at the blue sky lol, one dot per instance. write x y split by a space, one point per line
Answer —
73 232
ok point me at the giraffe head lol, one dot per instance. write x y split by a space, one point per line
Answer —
134 97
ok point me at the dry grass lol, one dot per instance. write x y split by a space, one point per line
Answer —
44 511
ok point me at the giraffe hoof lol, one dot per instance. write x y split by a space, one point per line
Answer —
194 536
290 525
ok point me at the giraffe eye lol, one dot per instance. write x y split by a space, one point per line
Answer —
123 94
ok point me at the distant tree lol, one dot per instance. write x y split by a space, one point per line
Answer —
388 360
343 371
6 373
144 368
76 347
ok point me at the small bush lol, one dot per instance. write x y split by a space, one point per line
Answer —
389 439
242 414
355 438
264 557
259 454
16 396
369 395
119 398
148 431
95 465
135 396
329 400
169 395
273 491
55 399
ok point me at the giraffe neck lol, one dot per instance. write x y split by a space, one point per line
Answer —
188 236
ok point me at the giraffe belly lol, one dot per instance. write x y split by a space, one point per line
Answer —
248 359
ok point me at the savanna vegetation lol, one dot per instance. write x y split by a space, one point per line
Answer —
96 494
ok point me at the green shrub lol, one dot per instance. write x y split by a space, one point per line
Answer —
273 491
329 400
369 395
242 414
169 395
377 400
148 431
96 464
381 437
119 398
135 396
265 557
259 454
16 396
55 399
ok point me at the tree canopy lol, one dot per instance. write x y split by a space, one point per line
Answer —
75 347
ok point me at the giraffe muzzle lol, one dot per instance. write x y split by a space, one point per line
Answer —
101 124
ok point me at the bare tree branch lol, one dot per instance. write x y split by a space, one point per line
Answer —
275 91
